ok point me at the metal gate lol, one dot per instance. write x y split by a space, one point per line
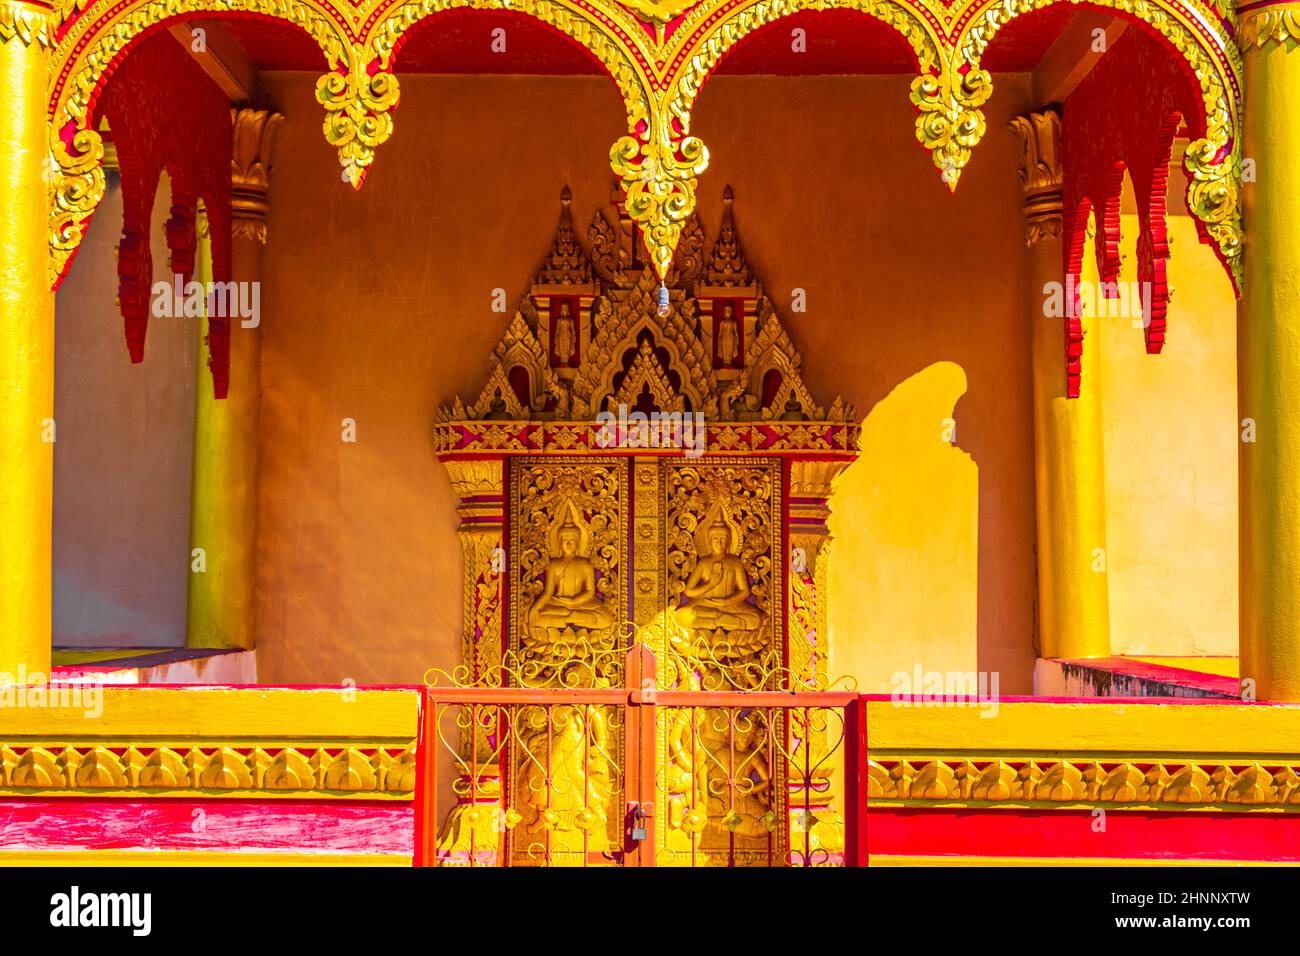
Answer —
637 775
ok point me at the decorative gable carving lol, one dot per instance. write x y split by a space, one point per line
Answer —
588 337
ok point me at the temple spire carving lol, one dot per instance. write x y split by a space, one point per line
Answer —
567 264
727 266
587 339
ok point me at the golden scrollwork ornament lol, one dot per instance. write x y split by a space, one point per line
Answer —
357 114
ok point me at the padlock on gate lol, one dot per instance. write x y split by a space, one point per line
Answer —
637 823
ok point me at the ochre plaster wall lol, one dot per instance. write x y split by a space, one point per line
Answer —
122 458
377 308
1171 456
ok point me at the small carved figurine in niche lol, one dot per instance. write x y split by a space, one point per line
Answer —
566 336
717 592
728 336
569 596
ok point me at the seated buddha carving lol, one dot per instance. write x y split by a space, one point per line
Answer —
717 592
569 597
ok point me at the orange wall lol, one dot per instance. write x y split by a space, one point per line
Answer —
122 458
377 308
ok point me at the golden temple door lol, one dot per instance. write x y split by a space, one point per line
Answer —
645 472
642 713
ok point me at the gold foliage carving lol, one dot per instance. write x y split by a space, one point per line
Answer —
951 123
659 177
1278 24
77 189
357 118
37 768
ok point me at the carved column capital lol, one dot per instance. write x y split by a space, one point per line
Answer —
1041 175
1264 25
26 22
250 169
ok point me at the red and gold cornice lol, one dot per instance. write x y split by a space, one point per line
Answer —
659 53
474 439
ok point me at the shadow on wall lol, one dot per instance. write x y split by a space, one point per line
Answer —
911 536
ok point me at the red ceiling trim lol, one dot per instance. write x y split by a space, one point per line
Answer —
167 114
1122 118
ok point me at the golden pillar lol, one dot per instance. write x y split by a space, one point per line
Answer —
1069 462
1268 359
26 345
223 503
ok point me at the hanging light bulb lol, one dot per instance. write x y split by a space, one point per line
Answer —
663 301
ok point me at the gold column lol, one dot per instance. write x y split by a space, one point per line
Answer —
223 503
1069 462
26 345
1268 359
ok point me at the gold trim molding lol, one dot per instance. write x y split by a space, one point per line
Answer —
1278 24
1131 783
235 769
659 75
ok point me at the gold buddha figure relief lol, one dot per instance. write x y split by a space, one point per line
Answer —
717 592
569 597
566 338
728 336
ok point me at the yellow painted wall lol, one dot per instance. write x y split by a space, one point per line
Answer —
1171 456
122 455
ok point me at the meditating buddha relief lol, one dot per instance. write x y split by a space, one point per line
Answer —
569 534
570 599
722 539
717 593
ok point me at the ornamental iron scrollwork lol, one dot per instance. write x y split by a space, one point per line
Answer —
735 783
